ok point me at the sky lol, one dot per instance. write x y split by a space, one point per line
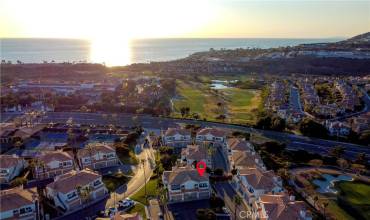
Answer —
103 19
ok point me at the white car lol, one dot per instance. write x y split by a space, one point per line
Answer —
226 210
125 203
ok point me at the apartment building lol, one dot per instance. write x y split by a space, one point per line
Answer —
246 159
214 136
185 184
18 203
254 182
53 163
196 153
280 207
96 156
177 137
10 167
69 191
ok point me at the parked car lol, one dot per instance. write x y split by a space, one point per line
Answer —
226 210
112 211
125 203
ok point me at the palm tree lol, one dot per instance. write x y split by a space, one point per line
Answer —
315 199
237 202
211 152
90 148
325 204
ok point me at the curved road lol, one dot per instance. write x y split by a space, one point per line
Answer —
137 181
294 142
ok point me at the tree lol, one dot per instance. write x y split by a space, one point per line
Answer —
358 168
234 171
264 122
278 124
143 163
18 142
221 117
342 163
361 158
274 147
311 128
216 202
219 172
325 204
337 151
18 181
315 199
205 214
365 137
316 163
283 173
237 203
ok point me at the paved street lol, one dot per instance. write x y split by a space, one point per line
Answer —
149 122
136 182
294 99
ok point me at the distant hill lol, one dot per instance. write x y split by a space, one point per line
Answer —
359 39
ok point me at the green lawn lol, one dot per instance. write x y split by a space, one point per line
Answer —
112 182
357 195
151 190
138 208
241 104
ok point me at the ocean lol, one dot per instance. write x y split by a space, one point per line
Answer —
112 53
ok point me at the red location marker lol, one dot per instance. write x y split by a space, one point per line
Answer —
201 167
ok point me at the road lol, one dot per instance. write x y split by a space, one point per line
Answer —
294 142
137 181
294 100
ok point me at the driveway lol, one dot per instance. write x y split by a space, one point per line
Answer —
227 193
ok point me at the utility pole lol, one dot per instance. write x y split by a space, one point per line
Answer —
143 163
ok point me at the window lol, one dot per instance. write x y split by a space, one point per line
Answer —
22 211
87 160
71 195
195 185
15 212
28 209
203 185
175 187
97 183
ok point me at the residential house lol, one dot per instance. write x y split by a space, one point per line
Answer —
18 203
238 144
196 153
10 167
6 136
214 136
245 159
177 137
70 190
96 156
254 182
53 163
337 128
280 207
185 184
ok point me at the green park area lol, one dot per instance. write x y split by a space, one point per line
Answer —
232 105
354 197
